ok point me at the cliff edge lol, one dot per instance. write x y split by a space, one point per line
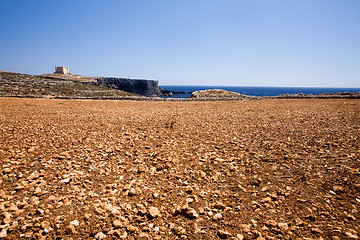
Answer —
149 88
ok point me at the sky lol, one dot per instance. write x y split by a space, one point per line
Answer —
280 43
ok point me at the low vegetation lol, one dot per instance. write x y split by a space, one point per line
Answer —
51 85
218 93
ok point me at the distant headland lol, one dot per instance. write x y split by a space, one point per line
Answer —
63 84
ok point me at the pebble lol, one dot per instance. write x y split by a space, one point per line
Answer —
132 228
75 223
154 212
351 235
180 230
70 229
191 213
299 222
87 216
223 234
239 236
217 216
117 223
45 225
283 226
38 191
271 223
100 235
33 176
66 180
316 231
3 233
132 192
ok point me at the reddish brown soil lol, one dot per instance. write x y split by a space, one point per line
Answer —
267 169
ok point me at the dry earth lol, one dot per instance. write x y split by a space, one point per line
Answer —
266 169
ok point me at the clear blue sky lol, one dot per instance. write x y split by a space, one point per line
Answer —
303 43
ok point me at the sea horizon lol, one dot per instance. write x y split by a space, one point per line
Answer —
255 90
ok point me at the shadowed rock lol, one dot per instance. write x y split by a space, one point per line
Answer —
138 86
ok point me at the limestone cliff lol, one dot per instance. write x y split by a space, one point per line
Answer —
138 86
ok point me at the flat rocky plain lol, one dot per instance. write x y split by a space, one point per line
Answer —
257 169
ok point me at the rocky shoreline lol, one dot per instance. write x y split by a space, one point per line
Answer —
57 86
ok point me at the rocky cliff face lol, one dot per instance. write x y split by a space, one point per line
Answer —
138 86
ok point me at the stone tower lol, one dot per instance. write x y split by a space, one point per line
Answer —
62 70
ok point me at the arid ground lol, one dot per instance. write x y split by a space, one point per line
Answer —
257 169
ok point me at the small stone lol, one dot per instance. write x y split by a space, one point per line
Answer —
117 223
217 216
115 212
13 208
283 226
271 223
338 189
299 222
351 235
28 234
70 229
224 234
3 233
143 236
45 225
66 180
75 223
191 213
189 190
132 192
117 233
156 195
132 229
108 207
100 235
87 216
7 170
220 205
142 212
38 191
316 231
33 176
239 236
154 212
245 228
180 231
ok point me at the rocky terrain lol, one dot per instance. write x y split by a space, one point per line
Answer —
149 88
267 169
350 95
81 87
55 85
219 94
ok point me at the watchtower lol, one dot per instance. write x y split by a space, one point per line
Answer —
62 70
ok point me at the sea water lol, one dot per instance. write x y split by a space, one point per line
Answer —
255 91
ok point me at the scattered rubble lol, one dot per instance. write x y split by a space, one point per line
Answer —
268 169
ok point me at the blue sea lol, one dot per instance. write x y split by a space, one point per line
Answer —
255 91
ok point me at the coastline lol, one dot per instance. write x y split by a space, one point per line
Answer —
143 98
